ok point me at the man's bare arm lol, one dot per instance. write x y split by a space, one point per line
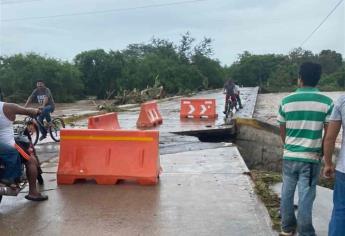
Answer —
329 141
12 109
28 101
328 146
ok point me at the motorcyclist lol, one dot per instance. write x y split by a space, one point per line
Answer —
10 156
237 95
229 91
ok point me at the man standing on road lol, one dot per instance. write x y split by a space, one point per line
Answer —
44 98
302 117
10 156
337 223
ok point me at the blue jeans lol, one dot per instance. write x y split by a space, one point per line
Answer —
11 159
337 224
45 114
305 176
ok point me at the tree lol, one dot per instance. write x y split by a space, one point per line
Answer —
20 72
330 61
100 71
185 48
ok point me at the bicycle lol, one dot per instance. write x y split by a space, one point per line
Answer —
53 128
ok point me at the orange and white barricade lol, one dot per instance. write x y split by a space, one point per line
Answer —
198 108
108 121
149 115
108 156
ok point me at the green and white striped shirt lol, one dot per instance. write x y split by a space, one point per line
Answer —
304 114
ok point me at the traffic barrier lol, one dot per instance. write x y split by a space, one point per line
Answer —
106 121
198 108
107 156
149 115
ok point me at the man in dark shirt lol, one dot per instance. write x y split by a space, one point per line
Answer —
229 90
44 98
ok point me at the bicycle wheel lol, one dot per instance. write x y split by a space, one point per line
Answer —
34 133
56 125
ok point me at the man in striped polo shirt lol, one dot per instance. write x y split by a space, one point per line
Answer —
302 117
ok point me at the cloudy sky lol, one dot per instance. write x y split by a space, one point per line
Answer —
60 28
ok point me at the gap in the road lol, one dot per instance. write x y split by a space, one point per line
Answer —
259 144
226 134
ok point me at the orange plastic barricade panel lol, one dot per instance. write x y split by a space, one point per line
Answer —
149 115
107 121
198 108
108 156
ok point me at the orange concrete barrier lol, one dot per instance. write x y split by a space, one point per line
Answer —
149 115
198 108
106 121
108 156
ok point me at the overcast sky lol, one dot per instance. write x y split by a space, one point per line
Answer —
266 26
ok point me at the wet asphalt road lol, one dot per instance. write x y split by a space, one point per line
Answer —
202 191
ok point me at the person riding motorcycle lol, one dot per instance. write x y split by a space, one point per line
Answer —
237 95
229 90
9 154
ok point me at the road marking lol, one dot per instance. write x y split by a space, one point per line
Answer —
203 109
191 109
106 138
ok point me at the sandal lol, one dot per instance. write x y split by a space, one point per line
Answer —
38 198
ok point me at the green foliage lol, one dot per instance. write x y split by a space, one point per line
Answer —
330 61
180 69
278 73
255 70
19 74
100 71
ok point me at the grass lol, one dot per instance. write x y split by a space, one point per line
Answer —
327 183
263 181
